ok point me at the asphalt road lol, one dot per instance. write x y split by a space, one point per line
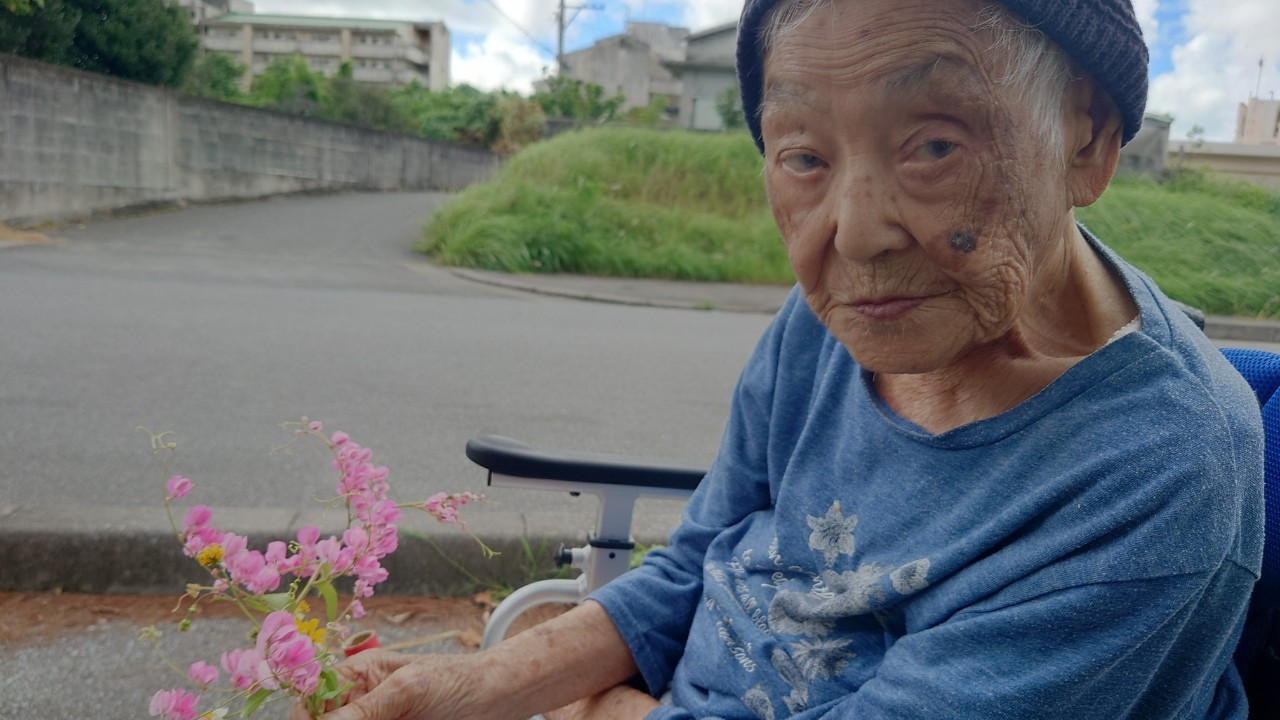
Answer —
219 322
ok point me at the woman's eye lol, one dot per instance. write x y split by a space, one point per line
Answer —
802 162
936 149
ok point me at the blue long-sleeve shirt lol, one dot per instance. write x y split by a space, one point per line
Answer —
1087 554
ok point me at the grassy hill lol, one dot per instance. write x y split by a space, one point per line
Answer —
644 203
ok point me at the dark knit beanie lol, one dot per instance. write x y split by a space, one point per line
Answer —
1100 36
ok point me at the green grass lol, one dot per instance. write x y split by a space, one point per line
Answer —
620 202
645 203
1210 243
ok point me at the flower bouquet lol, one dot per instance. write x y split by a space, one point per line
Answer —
294 646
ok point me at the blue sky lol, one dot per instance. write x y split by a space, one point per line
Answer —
1204 53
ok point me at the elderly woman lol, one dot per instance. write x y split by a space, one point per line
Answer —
978 467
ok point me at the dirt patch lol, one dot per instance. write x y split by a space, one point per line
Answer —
23 237
31 618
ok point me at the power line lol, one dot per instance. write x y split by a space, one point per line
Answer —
562 23
517 26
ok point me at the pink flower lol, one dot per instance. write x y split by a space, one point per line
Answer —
308 535
290 656
445 507
247 668
174 705
197 517
202 673
340 438
178 487
357 609
197 532
368 570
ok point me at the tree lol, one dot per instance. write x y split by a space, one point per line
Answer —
347 101
461 114
149 41
216 76
289 85
729 107
21 7
43 32
572 98
520 123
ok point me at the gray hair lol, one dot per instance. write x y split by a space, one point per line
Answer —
1025 59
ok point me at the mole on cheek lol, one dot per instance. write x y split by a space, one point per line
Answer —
963 242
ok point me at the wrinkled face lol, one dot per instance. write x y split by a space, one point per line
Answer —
916 202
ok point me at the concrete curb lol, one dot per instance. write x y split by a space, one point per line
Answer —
133 550
752 299
671 294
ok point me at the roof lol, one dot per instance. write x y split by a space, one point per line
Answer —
312 21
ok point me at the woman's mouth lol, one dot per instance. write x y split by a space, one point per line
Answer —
889 308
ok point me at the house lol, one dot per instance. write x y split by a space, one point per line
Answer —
633 64
706 74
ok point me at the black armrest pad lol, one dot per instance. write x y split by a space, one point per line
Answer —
511 457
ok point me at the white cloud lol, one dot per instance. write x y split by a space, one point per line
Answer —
1145 10
504 60
1216 68
700 15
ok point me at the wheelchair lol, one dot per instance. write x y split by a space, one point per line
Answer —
619 481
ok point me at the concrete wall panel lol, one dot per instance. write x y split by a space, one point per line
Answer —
73 144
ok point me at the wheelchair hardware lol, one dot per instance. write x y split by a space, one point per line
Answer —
618 481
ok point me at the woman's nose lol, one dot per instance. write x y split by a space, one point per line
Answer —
866 214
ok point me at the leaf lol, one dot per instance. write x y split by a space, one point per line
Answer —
254 702
256 603
325 588
277 601
329 687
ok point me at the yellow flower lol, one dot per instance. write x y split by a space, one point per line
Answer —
210 556
310 629
303 608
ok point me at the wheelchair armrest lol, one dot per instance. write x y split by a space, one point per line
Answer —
505 456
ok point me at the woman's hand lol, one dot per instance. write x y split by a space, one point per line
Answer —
391 686
575 655
617 703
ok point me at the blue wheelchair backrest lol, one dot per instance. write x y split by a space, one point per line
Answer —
1258 654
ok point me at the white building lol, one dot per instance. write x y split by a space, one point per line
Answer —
381 52
706 73
633 64
1258 122
201 10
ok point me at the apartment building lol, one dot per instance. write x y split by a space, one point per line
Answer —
201 10
381 52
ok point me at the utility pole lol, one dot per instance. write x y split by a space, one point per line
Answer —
562 24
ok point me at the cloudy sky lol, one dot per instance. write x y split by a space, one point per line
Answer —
1204 52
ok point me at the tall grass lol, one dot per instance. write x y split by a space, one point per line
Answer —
644 203
1210 243
624 202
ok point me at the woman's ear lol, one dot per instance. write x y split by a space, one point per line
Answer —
1093 130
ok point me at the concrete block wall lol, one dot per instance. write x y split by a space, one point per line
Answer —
73 144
